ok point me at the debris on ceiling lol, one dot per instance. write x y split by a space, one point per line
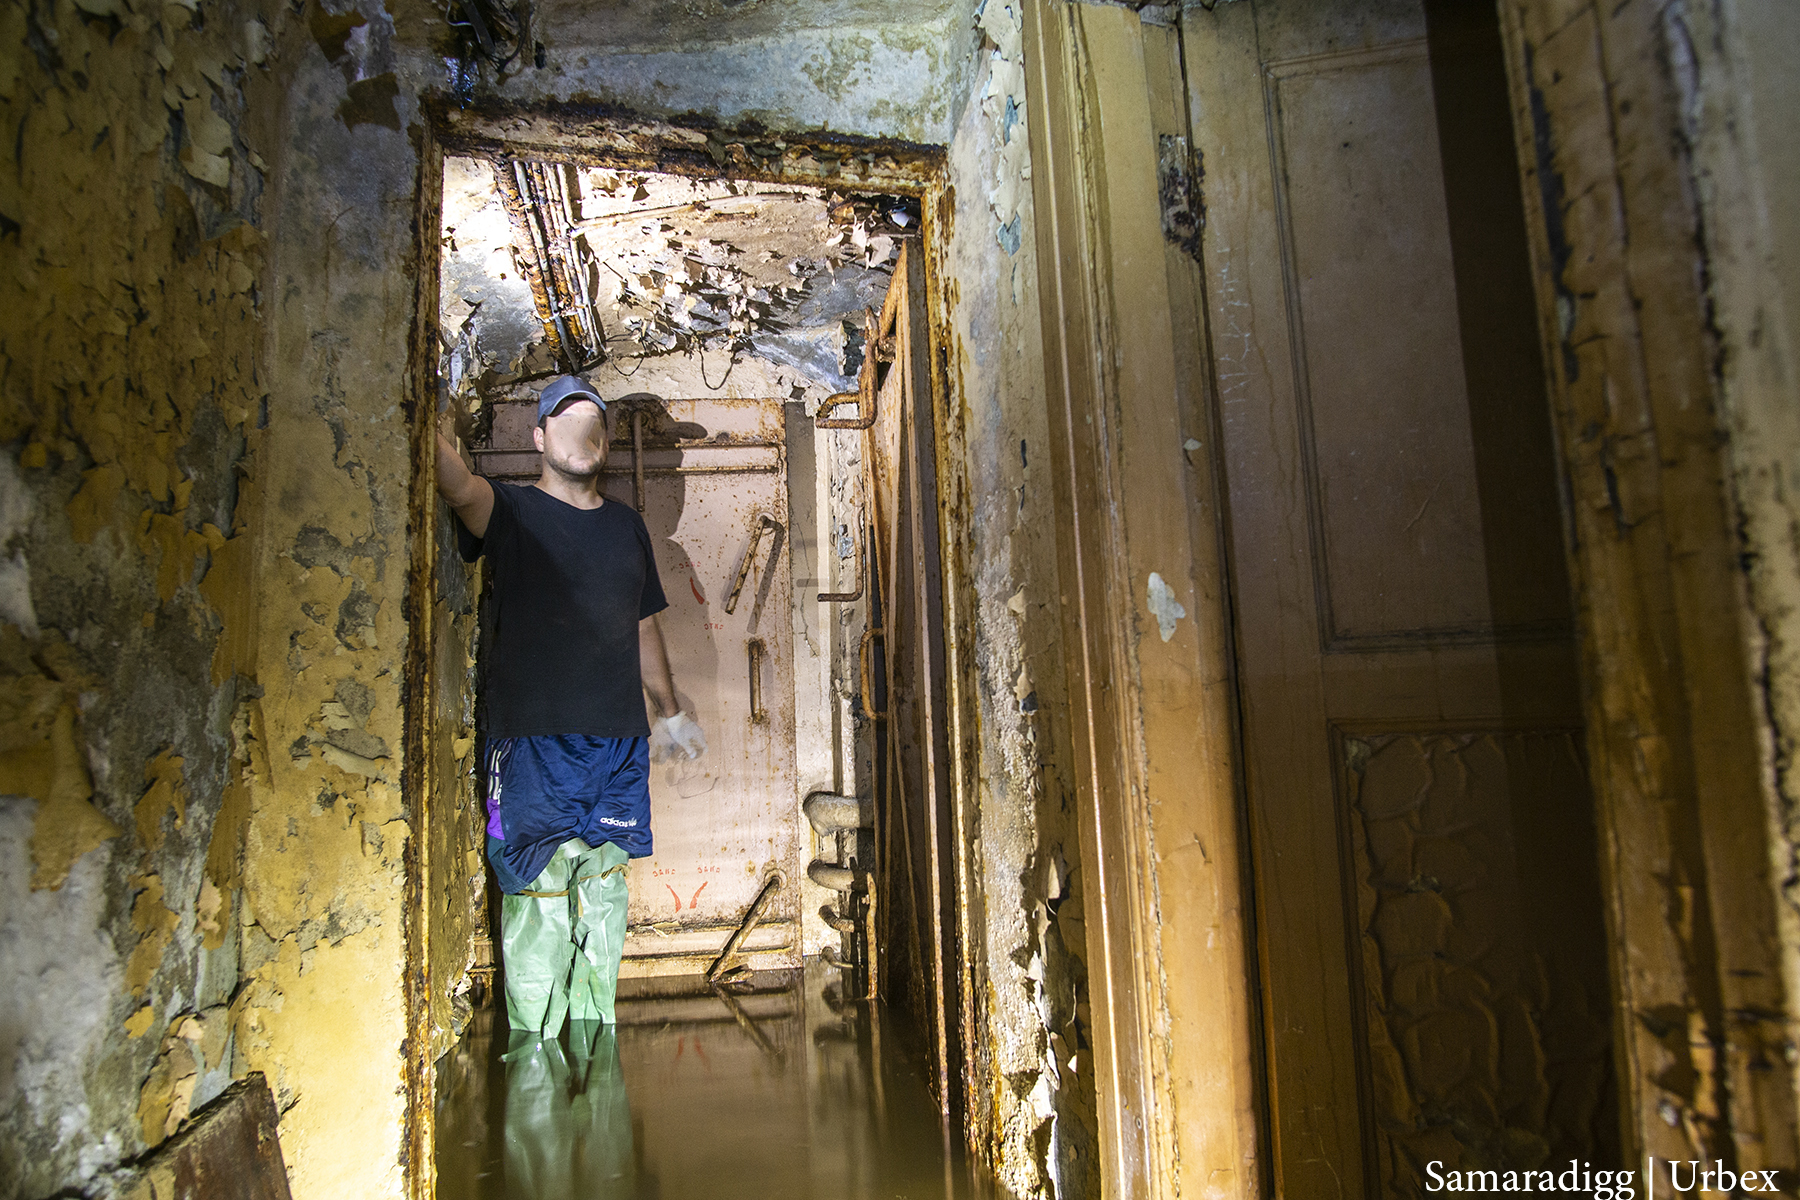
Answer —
550 267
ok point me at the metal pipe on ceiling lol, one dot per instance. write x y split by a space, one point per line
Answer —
536 271
546 256
593 333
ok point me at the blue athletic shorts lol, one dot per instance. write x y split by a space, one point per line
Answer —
542 791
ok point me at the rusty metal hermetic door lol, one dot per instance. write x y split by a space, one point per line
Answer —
710 478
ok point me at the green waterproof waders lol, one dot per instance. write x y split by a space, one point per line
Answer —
562 939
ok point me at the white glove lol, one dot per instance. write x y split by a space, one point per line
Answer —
676 736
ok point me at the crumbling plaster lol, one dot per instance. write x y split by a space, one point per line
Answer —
1032 1080
133 385
209 244
895 71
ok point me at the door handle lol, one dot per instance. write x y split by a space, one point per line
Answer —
821 421
755 650
848 597
879 340
763 521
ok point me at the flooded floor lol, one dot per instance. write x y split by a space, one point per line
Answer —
780 1089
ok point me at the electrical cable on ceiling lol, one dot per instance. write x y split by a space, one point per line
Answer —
488 31
700 349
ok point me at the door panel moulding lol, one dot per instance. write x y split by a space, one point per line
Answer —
588 135
1170 979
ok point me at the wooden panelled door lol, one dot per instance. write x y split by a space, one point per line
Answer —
1429 925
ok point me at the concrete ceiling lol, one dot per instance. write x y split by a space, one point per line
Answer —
664 265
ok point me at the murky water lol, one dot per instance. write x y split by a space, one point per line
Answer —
783 1090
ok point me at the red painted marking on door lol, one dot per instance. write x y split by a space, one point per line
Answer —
672 892
698 594
680 1048
695 902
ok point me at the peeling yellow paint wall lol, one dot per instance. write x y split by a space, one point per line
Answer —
205 496
133 270
323 1008
1031 1075
208 252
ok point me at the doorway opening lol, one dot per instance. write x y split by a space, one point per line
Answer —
763 347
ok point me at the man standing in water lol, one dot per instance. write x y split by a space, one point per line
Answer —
572 645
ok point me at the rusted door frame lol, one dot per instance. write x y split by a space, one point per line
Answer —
577 135
1152 713
418 777
573 134
906 576
960 722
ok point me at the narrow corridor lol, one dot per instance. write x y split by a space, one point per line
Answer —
780 1088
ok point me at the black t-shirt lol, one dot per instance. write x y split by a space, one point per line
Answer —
561 620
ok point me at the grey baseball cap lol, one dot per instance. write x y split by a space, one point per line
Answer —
564 388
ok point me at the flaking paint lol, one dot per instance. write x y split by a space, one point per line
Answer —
132 263
208 411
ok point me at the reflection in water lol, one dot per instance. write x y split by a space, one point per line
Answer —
568 1120
779 1089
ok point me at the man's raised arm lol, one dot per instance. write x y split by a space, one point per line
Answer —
471 496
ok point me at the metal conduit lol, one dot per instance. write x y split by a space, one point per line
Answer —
570 291
536 271
539 244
